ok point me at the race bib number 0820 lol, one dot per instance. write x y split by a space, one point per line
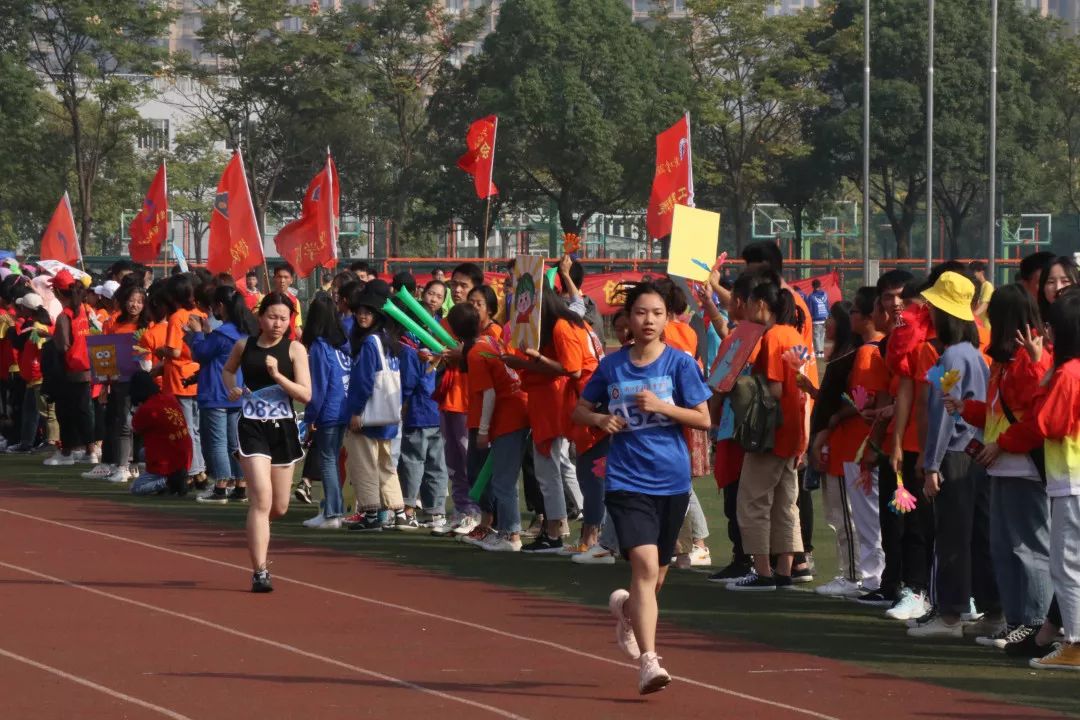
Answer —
271 403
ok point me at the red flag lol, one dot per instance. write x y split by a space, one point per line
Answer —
60 241
151 226
235 242
673 183
480 159
310 241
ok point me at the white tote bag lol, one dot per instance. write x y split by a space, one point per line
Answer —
384 405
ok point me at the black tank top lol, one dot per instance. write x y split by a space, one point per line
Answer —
253 363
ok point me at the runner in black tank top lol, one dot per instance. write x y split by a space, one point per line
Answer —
275 376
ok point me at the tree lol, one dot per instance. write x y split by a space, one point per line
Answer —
194 166
99 57
756 77
580 92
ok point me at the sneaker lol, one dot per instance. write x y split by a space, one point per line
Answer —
86 458
1007 634
1066 656
624 631
466 525
929 616
370 523
535 527
909 606
353 519
476 537
733 571
801 577
327 523
876 598
568 550
783 582
98 472
543 545
213 496
700 557
839 587
937 628
988 627
59 458
1028 647
564 529
652 677
199 481
260 582
406 523
497 542
439 526
238 494
303 493
316 521
755 583
119 475
973 614
17 449
596 555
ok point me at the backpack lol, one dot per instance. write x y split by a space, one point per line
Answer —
756 413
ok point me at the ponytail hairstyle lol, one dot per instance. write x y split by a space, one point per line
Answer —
674 297
235 310
780 301
465 322
554 308
844 338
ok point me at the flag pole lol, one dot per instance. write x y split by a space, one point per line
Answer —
487 219
491 173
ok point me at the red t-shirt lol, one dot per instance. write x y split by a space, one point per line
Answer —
160 423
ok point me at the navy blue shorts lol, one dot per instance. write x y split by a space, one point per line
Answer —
642 519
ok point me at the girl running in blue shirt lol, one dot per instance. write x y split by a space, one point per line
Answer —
643 395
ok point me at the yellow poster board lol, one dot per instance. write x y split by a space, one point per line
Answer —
528 289
693 243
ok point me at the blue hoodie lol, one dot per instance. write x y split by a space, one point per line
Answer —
211 351
417 387
330 369
362 383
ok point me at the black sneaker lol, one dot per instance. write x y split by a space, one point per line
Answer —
755 583
370 523
876 598
802 576
784 582
260 582
1028 647
303 493
543 545
238 494
733 571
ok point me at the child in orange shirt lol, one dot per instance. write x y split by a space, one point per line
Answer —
180 372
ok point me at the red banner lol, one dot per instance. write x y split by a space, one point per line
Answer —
830 283
151 226
480 159
59 241
673 183
235 241
310 241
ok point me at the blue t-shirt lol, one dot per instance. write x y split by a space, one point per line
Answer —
650 455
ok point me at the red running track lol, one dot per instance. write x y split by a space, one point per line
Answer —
111 612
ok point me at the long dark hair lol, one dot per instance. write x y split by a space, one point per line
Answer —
844 338
1065 324
180 292
951 330
465 322
122 296
780 301
322 322
390 337
235 309
1068 266
552 309
1011 309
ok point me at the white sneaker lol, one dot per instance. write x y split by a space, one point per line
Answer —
937 628
910 606
316 521
497 542
596 555
438 525
1003 636
59 458
652 677
466 525
327 524
119 475
839 587
973 614
624 631
986 628
700 557
86 458
99 472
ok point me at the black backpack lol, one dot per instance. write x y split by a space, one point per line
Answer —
756 413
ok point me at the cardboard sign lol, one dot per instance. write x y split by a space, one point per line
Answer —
111 357
693 243
180 259
733 355
528 289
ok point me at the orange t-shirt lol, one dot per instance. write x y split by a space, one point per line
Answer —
487 371
152 339
457 395
576 352
476 396
182 367
114 327
791 440
547 393
868 370
810 370
681 336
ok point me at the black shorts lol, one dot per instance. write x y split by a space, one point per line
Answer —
277 440
642 519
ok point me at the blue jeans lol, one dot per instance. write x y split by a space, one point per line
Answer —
1020 547
422 469
328 447
190 406
220 442
592 486
506 452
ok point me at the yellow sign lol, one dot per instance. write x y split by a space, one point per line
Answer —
693 243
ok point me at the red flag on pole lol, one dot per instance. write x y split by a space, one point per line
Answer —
151 226
60 241
673 183
310 241
480 159
235 242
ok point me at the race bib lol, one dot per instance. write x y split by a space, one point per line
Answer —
622 403
270 403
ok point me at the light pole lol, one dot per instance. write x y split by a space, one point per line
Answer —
867 214
930 140
991 250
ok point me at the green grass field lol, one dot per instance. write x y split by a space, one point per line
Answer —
797 621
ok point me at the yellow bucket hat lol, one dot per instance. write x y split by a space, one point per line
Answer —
952 294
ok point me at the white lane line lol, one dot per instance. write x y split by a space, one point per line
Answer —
432 616
93 685
272 643
785 670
